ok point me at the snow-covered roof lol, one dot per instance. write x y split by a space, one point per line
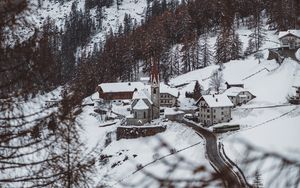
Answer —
233 91
145 78
217 100
172 111
121 87
292 31
232 81
167 89
142 94
140 105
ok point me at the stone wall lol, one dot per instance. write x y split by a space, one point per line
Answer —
130 132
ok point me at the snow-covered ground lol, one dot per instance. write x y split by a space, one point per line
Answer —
120 158
274 129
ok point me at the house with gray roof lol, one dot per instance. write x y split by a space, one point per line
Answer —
238 95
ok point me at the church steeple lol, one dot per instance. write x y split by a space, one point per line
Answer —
154 77
155 93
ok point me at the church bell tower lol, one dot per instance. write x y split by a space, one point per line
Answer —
155 93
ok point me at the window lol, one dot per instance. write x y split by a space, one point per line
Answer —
214 116
222 113
154 91
285 42
144 115
135 114
207 116
214 110
207 110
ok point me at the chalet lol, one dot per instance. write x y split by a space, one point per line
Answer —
231 83
214 109
118 91
168 96
289 39
238 95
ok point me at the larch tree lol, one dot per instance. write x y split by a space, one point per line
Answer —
258 180
206 53
197 91
216 81
39 144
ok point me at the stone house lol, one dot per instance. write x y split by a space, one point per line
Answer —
238 95
289 39
214 109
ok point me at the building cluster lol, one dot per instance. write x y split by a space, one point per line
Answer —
217 108
146 96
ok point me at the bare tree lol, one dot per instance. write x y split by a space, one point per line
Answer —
40 145
216 80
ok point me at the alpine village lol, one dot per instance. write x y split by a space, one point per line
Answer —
150 93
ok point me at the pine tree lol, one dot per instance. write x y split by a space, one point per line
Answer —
197 91
258 35
236 47
257 181
216 81
206 53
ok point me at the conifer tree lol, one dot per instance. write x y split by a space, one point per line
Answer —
258 180
206 53
197 91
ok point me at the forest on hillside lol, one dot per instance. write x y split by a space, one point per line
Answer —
170 31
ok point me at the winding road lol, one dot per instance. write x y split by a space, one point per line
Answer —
230 177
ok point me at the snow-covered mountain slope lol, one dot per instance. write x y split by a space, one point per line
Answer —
274 128
113 17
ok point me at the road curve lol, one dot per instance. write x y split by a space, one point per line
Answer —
230 178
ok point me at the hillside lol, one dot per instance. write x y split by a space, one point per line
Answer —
55 131
58 11
268 115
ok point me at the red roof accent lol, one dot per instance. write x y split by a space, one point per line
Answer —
154 75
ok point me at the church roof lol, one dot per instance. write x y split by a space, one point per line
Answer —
140 105
142 94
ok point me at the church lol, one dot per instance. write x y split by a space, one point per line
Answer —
145 108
